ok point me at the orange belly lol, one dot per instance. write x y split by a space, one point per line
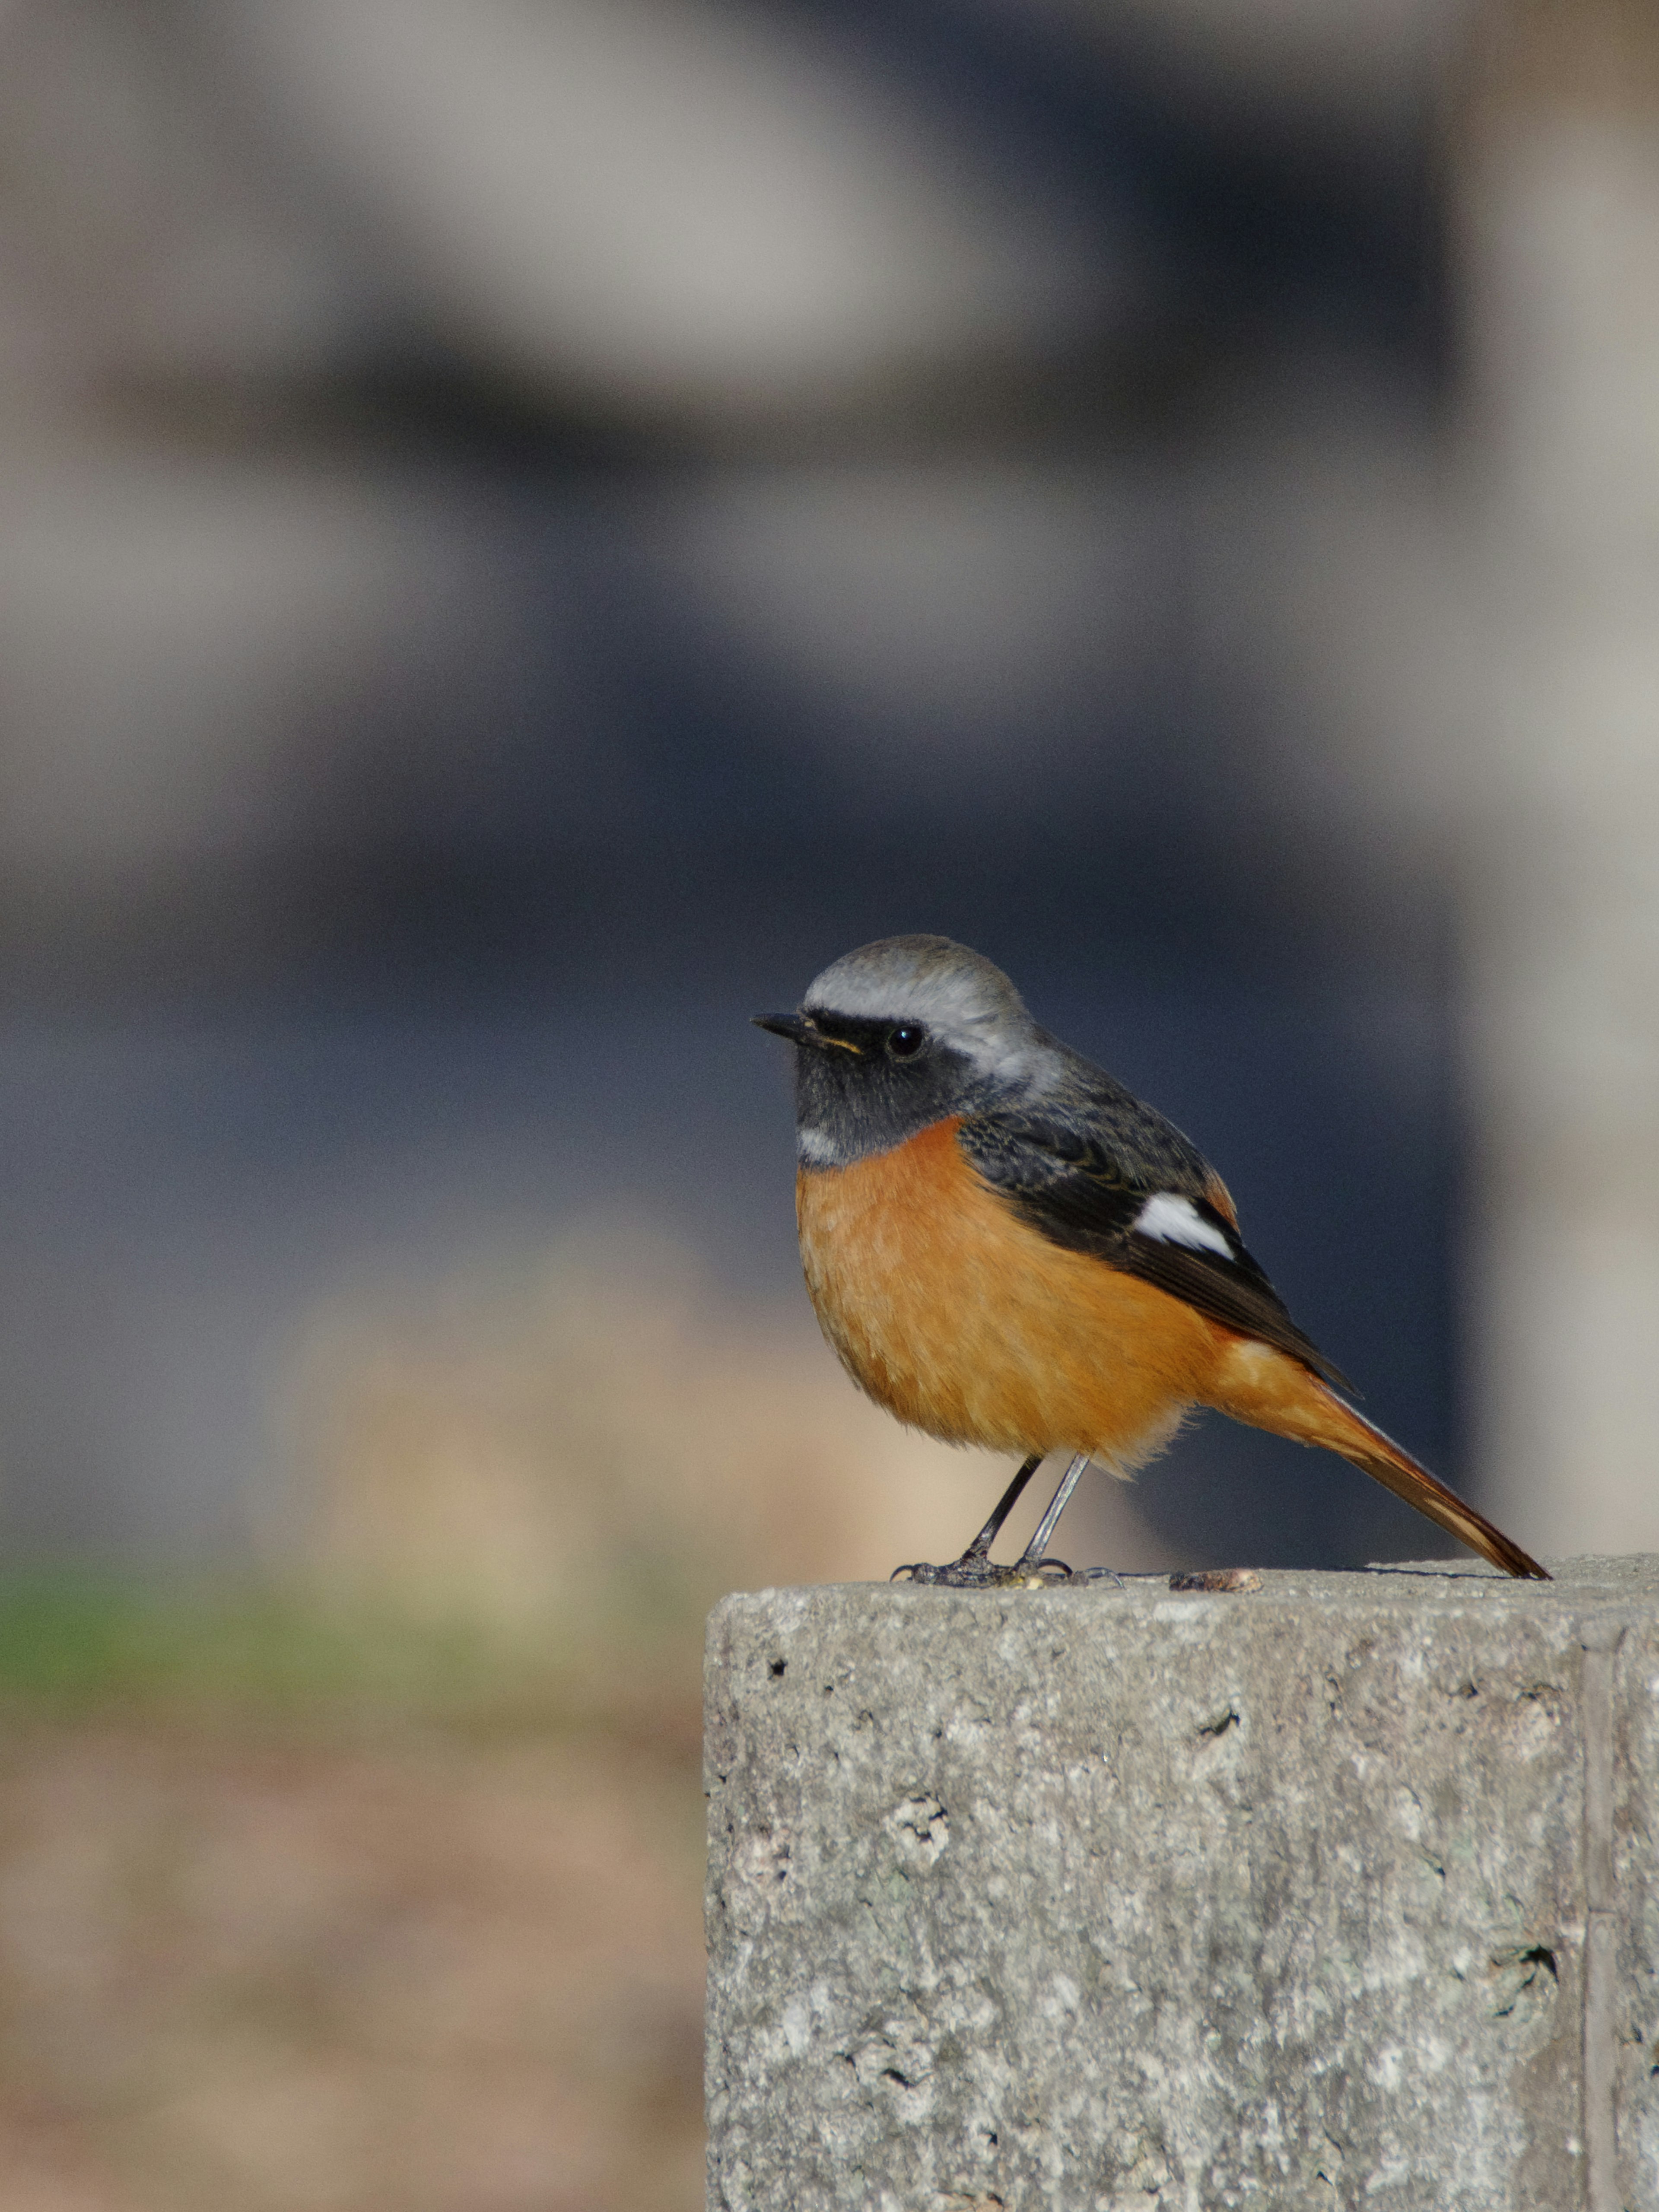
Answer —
964 1323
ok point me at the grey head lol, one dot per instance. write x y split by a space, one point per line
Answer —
902 1033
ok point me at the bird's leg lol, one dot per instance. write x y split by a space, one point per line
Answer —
1030 1565
981 1547
974 1570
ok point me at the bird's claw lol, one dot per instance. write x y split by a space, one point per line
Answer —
973 1571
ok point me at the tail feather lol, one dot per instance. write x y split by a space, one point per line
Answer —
1271 1391
1381 1457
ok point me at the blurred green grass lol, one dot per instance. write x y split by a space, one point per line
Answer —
75 1641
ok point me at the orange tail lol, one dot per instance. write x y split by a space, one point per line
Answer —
1270 1391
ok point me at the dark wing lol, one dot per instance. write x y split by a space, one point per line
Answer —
1153 1220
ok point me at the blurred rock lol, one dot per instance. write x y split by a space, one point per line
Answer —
144 241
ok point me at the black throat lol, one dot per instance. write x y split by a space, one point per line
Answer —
855 1097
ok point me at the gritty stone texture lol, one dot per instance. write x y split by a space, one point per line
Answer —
1338 1893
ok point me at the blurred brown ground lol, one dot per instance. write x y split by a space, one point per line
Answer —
412 1979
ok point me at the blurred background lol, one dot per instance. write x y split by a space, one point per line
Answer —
529 527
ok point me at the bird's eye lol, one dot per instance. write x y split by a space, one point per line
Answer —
906 1042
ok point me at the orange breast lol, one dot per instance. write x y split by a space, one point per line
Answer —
963 1321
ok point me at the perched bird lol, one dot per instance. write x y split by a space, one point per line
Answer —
1007 1249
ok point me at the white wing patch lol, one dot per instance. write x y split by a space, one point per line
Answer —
1174 1220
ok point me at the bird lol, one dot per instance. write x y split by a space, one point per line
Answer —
1005 1248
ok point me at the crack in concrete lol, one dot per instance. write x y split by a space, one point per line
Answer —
1601 1639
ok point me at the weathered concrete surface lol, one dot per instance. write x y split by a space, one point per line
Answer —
1344 1892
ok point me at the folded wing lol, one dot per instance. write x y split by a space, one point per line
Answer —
1089 1195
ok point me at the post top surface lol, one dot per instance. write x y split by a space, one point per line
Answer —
1621 1586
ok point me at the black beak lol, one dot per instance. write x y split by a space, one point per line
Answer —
785 1025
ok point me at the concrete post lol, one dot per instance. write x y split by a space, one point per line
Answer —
1341 1893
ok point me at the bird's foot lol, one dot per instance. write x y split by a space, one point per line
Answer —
973 1571
976 1570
